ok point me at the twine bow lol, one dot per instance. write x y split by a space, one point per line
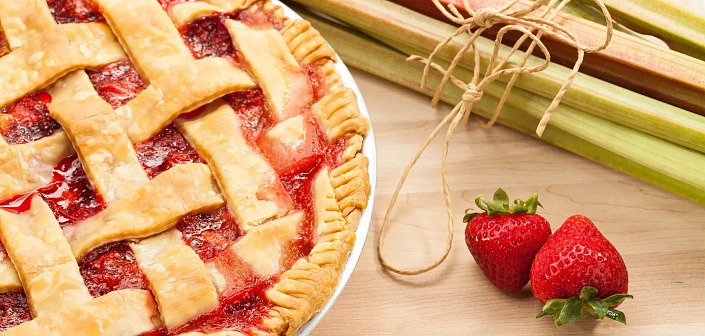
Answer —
473 26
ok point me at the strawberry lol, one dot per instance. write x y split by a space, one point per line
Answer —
505 238
578 273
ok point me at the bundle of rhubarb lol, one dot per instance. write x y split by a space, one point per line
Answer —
636 106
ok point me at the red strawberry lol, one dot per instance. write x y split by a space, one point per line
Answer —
505 238
579 273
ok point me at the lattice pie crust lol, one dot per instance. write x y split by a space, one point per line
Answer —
43 258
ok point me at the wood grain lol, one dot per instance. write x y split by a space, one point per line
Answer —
661 236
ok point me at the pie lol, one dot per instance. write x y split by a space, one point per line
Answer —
171 167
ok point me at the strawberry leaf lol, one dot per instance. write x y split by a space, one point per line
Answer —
469 215
493 208
478 202
565 311
617 315
532 204
500 204
516 209
552 306
570 312
599 307
616 299
500 197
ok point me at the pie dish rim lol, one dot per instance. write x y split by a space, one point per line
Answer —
369 150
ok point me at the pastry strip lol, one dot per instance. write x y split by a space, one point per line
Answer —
262 246
251 187
29 166
22 20
149 36
177 276
44 262
339 114
125 312
106 152
9 280
231 5
288 143
154 208
182 90
188 11
283 81
57 51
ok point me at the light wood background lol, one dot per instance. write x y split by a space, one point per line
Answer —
661 236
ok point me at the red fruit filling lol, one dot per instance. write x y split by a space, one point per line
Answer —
254 114
243 312
167 149
208 37
117 83
14 310
110 268
300 188
27 119
317 79
74 11
293 158
209 233
69 195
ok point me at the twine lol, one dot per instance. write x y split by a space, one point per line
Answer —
473 26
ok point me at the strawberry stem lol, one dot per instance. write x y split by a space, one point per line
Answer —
568 310
500 205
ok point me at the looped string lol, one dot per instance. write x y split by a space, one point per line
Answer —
473 26
486 17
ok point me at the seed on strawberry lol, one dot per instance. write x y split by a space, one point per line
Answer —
504 238
579 273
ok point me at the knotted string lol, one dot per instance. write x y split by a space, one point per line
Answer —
473 26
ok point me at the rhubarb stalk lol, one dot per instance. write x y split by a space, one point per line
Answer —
681 29
643 156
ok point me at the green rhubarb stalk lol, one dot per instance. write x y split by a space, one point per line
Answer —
681 29
589 13
410 32
645 157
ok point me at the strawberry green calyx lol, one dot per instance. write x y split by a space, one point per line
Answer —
500 205
565 311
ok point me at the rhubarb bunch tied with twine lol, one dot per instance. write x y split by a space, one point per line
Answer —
531 27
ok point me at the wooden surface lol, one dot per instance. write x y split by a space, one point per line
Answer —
661 236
